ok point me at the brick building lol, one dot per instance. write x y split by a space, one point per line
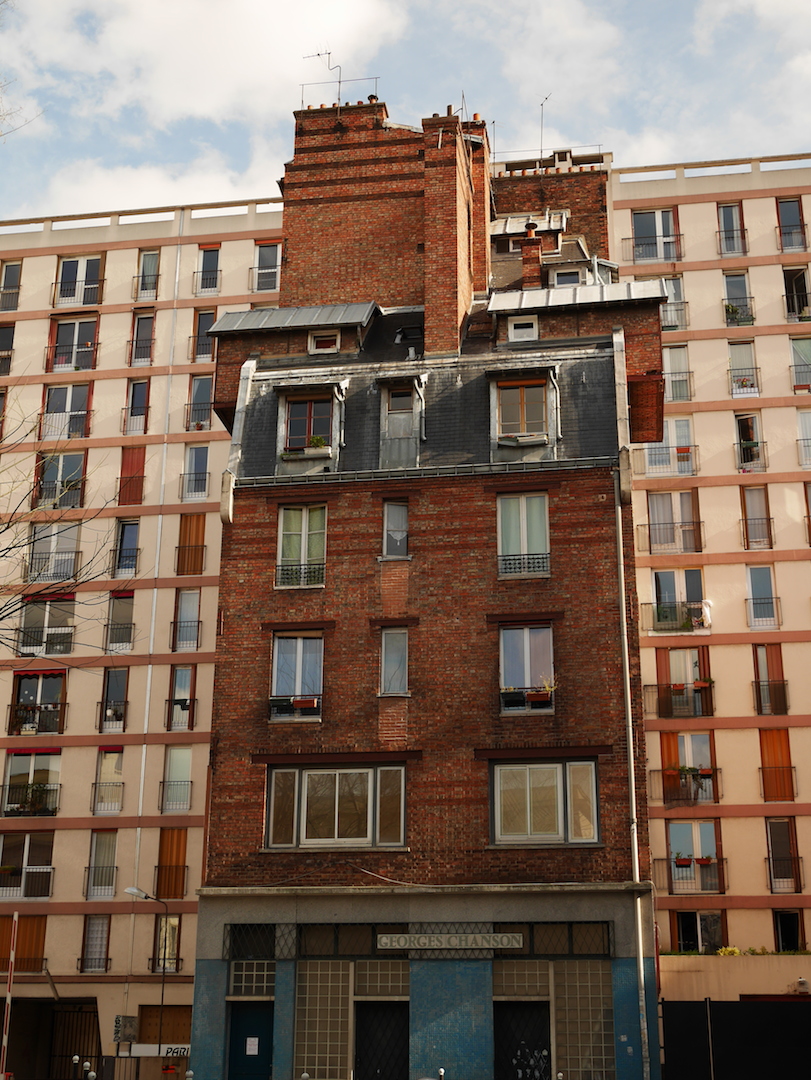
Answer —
424 851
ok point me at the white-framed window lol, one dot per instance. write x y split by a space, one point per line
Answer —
146 283
679 601
143 339
301 561
194 481
554 802
39 703
79 280
395 529
674 310
6 347
108 794
335 807
526 666
567 277
401 408
27 859
738 304
394 660
763 606
186 627
522 328
675 454
522 409
167 943
101 868
678 377
203 346
176 787
324 341
731 234
674 524
74 345
756 524
47 626
10 285
54 552
32 783
121 625
96 943
181 703
804 441
66 414
137 407
655 237
743 375
207 279
61 480
198 416
750 449
297 666
266 271
523 534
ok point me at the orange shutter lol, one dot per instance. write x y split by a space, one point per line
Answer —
670 760
131 487
191 546
171 876
778 782
30 941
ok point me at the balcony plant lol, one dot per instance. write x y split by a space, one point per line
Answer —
541 693
682 860
703 860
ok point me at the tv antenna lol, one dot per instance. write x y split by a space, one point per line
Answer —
336 67
548 96
330 67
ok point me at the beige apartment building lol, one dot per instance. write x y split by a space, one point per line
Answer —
110 485
723 570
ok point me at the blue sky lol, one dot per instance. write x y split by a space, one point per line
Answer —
136 103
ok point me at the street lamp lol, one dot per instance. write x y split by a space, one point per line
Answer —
133 890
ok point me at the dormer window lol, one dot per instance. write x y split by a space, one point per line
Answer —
522 328
324 341
567 277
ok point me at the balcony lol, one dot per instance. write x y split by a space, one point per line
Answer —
685 786
785 874
292 574
193 485
124 562
691 875
198 415
99 882
652 248
118 637
666 461
757 534
80 292
763 611
171 964
112 716
190 559
678 385
778 783
675 315
524 564
6 356
801 378
30 882
174 795
751 456
44 641
739 310
180 714
792 237
58 494
130 490
771 697
134 419
733 241
206 282
64 425
526 698
52 565
675 616
679 699
93 964
170 882
744 382
71 357
145 286
804 452
305 707
671 537
9 298
185 635
106 797
139 352
202 347
796 307
37 719
30 800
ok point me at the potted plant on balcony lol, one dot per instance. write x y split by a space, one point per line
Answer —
682 860
542 693
702 684
310 702
512 698
317 446
703 860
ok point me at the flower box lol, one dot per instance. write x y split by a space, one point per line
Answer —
683 862
704 860
539 695
305 702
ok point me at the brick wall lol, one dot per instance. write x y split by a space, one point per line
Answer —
584 194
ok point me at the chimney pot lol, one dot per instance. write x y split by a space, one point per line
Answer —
372 98
449 110
322 105
360 103
476 116
436 114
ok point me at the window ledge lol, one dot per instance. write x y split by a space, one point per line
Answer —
298 588
566 845
307 452
506 714
405 694
523 577
308 849
523 440
295 720
394 558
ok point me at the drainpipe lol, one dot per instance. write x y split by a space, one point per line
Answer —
629 742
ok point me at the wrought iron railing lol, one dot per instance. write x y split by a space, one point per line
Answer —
675 315
739 310
778 783
198 415
185 635
665 537
690 875
666 461
139 352
112 716
99 881
744 382
675 616
46 719
763 611
678 699
175 795
678 385
106 797
757 533
299 707
785 874
685 786
771 697
170 882
300 574
30 800
52 565
190 559
180 714
539 563
751 456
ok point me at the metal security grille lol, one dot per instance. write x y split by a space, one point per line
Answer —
249 941
521 1040
583 939
381 1040
346 940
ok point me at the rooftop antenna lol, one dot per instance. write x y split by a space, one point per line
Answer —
330 67
548 96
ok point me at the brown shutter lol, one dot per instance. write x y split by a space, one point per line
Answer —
131 486
775 754
191 547
171 871
671 787
30 941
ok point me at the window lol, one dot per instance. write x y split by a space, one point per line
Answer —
27 862
738 304
39 704
401 409
176 786
297 674
194 481
198 411
522 328
522 410
302 546
655 237
546 803
6 348
785 873
101 871
804 441
771 697
167 944
796 294
790 231
181 703
567 277
47 626
309 423
74 346
694 861
750 450
108 791
394 661
146 283
186 627
136 410
527 679
131 481
731 234
54 553
679 601
125 555
324 341
789 932
523 534
777 774
675 455
673 312
207 278
800 363
678 379
688 774
763 606
699 932
202 344
95 944
266 272
66 415
330 807
171 871
743 375
60 480
674 524
32 785
10 285
395 529
756 525
683 683
191 551
143 340
120 627
113 705
79 281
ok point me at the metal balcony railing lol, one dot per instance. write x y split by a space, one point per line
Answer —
180 714
763 611
792 237
90 964
524 698
134 419
801 378
99 881
733 241
685 786
207 282
6 356
690 875
59 494
185 635
675 616
304 574
124 562
739 310
797 307
744 382
30 800
130 490
785 874
31 882
778 783
64 425
174 795
44 641
202 347
112 716
659 248
751 456
771 697
71 357
9 298
679 699
190 559
198 415
757 534
48 719
52 565
675 315
678 385
666 537
170 882
106 797
294 708
193 485
804 452
82 292
666 461
118 637
139 352
145 286
171 964
539 563
264 279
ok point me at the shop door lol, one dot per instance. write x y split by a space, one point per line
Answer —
381 1040
250 1043
521 1040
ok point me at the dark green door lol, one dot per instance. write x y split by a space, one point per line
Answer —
381 1040
250 1045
